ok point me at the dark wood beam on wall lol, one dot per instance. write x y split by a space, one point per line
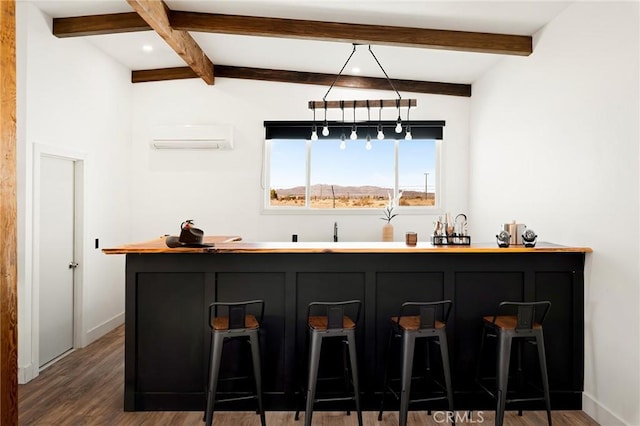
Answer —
353 33
99 24
8 219
155 13
283 76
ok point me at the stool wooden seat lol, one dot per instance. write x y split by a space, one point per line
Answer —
412 323
232 321
222 323
333 323
408 327
521 321
506 322
322 323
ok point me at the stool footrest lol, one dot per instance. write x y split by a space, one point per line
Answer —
237 398
525 399
489 391
346 398
435 398
230 379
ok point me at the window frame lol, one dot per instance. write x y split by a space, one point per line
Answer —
306 209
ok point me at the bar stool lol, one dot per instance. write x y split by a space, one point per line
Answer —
418 320
231 321
521 321
329 320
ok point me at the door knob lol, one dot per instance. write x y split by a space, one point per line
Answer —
73 265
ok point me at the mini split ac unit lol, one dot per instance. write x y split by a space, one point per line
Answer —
193 137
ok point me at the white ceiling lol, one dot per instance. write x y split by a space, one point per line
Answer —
509 17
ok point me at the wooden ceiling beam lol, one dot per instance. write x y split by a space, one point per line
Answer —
284 76
506 44
353 33
114 23
156 14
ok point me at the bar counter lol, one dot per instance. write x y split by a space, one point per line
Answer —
168 291
234 244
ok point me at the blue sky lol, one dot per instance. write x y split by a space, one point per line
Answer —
353 166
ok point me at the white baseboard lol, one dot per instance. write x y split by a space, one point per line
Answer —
26 374
599 413
30 372
97 332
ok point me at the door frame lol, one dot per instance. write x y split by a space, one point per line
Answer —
78 158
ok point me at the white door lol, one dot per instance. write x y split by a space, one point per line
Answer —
56 254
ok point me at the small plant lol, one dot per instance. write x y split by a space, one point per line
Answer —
392 204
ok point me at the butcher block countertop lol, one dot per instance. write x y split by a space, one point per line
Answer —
234 244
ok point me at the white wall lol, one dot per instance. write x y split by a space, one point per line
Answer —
554 145
222 190
73 99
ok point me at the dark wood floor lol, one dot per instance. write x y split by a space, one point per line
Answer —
86 388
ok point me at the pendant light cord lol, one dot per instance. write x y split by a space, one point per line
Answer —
355 45
385 73
324 98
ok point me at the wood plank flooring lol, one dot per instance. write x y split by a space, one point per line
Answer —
86 388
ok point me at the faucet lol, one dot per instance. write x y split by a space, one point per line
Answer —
335 232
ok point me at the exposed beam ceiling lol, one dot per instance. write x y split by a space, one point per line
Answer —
451 89
155 13
174 27
295 28
353 33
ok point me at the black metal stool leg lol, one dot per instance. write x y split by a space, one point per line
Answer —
444 352
345 369
502 375
385 380
314 361
216 356
480 353
351 341
255 356
427 357
520 374
408 345
302 399
543 372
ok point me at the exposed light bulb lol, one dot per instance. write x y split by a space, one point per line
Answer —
408 135
314 133
343 144
367 146
354 135
380 133
399 125
325 129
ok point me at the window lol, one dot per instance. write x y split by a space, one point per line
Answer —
331 174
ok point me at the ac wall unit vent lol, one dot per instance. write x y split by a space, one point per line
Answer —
210 137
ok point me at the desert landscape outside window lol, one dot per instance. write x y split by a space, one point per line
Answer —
351 174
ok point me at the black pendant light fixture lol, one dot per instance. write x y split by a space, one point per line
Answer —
397 103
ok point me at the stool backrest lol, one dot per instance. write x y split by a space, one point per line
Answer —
335 311
527 313
429 312
237 312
